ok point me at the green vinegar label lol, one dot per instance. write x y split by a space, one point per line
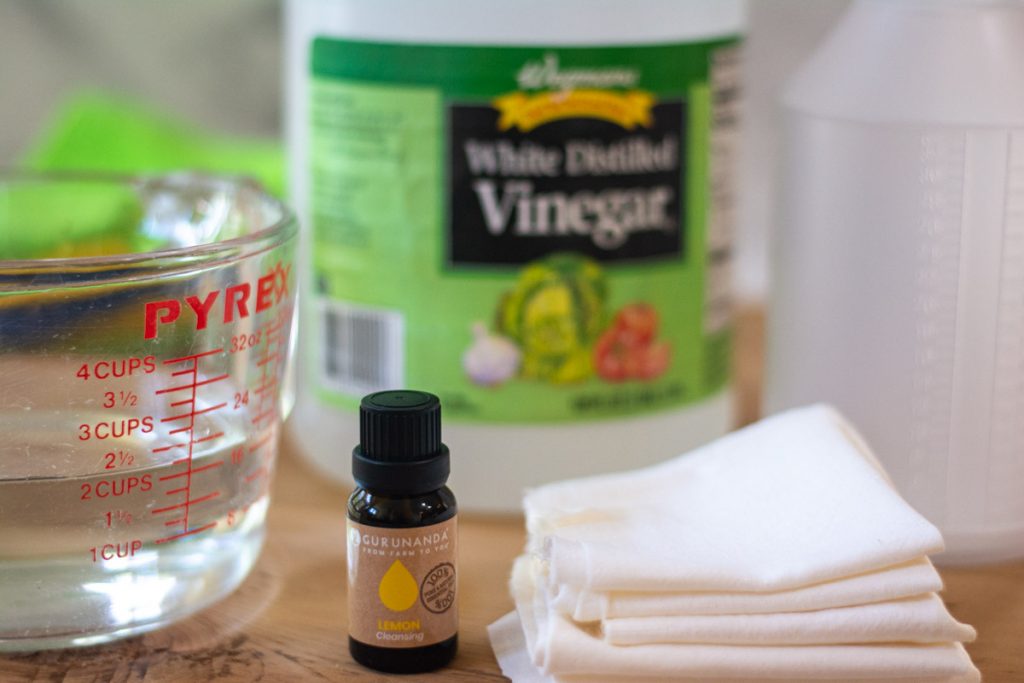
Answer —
534 234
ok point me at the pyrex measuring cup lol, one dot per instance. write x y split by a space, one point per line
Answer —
145 339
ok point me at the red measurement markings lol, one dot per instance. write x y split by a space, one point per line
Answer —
119 458
122 399
189 502
259 472
190 532
192 385
118 517
269 358
266 412
192 414
194 470
262 441
189 383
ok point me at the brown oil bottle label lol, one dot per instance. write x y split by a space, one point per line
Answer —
402 584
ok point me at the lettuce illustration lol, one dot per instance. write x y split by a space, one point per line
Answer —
555 313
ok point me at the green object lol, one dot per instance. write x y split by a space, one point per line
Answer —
482 217
68 219
101 134
555 314
95 132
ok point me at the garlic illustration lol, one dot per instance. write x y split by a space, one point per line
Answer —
491 359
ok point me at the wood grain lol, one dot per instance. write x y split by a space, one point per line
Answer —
287 621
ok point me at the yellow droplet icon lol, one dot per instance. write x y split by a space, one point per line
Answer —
398 589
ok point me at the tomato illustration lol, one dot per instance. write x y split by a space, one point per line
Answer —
655 360
638 323
610 356
628 350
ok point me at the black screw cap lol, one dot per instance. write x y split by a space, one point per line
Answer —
400 426
400 450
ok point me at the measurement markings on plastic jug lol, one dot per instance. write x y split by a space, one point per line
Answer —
191 383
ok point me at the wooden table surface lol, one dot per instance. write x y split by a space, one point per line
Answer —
287 621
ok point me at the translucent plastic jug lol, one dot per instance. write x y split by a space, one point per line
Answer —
899 256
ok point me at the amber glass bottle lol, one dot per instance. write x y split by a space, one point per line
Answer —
402 537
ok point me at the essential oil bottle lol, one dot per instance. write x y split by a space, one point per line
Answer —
402 537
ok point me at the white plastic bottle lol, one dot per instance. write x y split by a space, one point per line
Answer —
524 207
899 260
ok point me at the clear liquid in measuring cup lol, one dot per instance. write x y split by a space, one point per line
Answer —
138 533
133 488
141 395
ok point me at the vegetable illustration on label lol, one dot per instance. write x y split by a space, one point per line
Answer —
569 205
553 329
555 312
627 350
492 359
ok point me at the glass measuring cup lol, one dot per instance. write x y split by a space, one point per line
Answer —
145 342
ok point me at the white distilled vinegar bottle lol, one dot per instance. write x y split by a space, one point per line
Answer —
899 259
524 207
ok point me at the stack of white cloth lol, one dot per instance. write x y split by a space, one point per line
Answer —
779 552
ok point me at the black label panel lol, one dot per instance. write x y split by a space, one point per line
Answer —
583 185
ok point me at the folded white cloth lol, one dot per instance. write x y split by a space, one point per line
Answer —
923 619
780 552
920 619
509 642
559 646
794 500
902 581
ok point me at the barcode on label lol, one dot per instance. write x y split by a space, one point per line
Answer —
363 348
